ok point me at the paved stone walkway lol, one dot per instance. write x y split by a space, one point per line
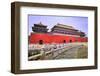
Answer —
72 52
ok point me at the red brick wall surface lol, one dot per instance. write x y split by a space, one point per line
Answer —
48 38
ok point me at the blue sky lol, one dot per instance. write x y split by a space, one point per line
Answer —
80 23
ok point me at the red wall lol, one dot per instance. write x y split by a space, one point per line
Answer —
47 38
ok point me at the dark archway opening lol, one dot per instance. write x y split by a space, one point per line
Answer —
40 42
70 41
64 41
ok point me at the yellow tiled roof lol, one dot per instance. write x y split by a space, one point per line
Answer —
65 26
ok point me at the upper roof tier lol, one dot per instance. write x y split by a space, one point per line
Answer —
65 26
40 24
